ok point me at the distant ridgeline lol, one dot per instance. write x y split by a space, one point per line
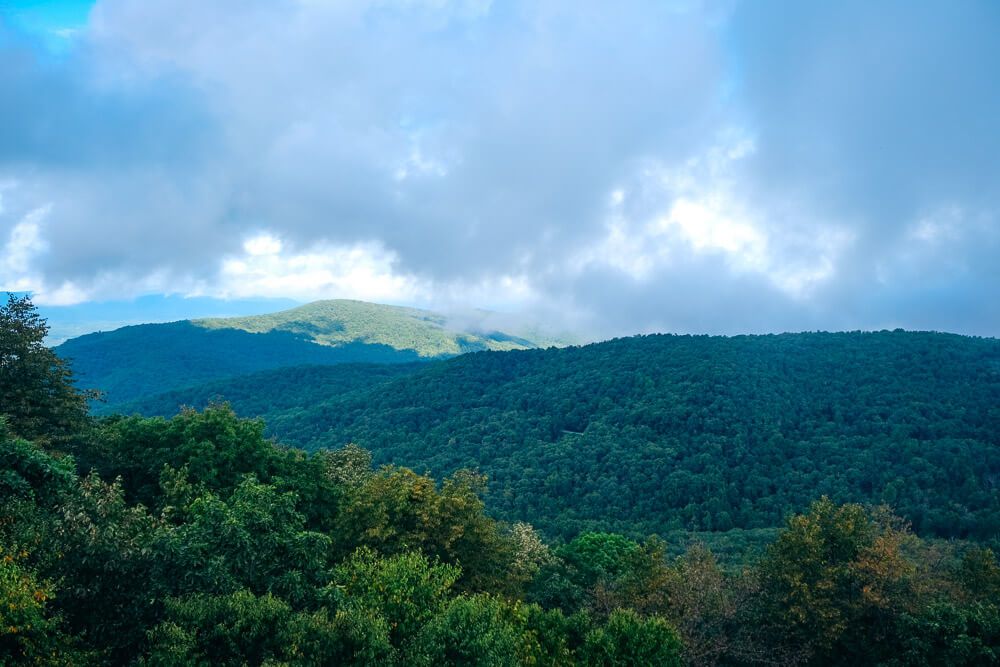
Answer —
133 362
655 434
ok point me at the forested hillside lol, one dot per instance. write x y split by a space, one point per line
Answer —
197 541
133 362
666 433
281 391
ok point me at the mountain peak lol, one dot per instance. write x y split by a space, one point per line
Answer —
133 361
336 322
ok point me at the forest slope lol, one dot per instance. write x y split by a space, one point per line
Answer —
660 433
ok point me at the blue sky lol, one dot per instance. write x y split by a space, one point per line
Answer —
53 22
690 166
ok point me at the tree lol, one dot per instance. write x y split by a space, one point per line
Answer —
979 573
945 633
602 572
835 580
37 392
99 550
245 629
628 639
477 630
407 590
30 474
397 510
254 540
703 602
28 632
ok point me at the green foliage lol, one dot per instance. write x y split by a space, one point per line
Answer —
397 510
215 447
553 636
600 572
474 631
599 556
944 633
29 634
833 579
38 397
255 539
979 573
214 451
241 629
28 473
665 434
628 639
197 541
100 551
406 590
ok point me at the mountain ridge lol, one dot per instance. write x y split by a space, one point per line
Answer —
139 360
336 321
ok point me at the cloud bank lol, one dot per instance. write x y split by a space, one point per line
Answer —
686 166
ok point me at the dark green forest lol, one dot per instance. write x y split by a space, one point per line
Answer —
269 393
661 434
198 540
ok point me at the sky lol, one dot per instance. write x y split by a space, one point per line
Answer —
616 168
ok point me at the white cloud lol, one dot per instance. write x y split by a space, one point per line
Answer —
569 156
366 271
709 225
24 243
696 210
262 244
267 267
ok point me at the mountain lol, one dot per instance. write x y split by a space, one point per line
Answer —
70 321
136 361
655 434
274 394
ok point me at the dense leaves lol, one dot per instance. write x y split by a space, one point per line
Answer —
37 394
660 434
241 629
400 570
286 389
29 633
196 541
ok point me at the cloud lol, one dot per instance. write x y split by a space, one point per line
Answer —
695 166
362 271
23 245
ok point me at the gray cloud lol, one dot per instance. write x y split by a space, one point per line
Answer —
882 117
717 167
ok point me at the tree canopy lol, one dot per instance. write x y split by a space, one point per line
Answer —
196 540
666 434
37 393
